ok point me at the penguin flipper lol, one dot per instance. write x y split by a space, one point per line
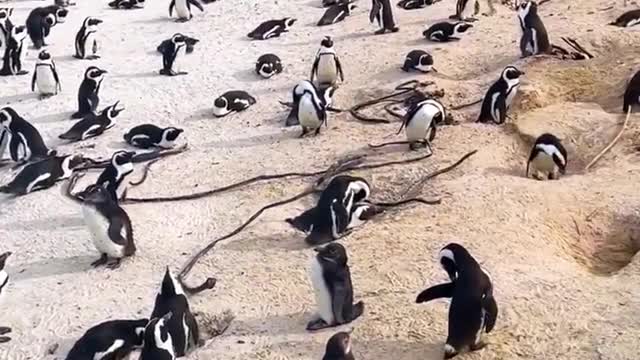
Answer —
501 107
194 332
491 312
375 10
116 229
33 81
196 4
314 68
339 66
338 297
304 221
436 292
14 143
55 76
172 4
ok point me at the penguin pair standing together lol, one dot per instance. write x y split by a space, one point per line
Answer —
45 76
421 121
88 99
473 309
26 143
93 125
498 99
4 282
174 49
183 9
272 28
86 43
382 13
14 52
41 20
148 135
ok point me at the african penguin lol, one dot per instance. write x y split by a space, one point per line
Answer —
446 31
473 310
382 13
127 4
42 174
183 9
14 52
632 93
465 10
41 20
158 341
5 27
548 158
114 339
86 43
326 67
327 3
4 282
418 60
331 281
5 138
311 109
64 3
88 99
112 177
338 347
182 326
337 13
268 65
628 19
534 39
93 125
272 28
498 99
232 101
420 123
148 135
26 142
415 4
45 76
172 49
297 92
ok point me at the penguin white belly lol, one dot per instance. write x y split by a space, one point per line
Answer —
88 44
481 329
4 277
534 41
633 22
182 10
511 93
99 228
182 51
45 80
24 152
323 297
327 70
469 9
307 114
418 128
543 165
185 328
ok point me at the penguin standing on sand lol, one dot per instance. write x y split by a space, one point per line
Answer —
446 31
331 281
466 10
158 341
42 174
232 101
5 27
4 282
337 13
14 52
173 49
326 67
498 99
534 39
632 93
548 158
418 60
268 65
112 177
297 92
183 9
26 142
93 125
148 135
41 20
339 347
311 109
272 28
45 76
473 309
88 99
86 43
382 13
420 123
628 19
114 339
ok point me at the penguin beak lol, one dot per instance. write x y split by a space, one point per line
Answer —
103 72
98 21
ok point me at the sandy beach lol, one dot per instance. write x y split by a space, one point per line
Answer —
561 254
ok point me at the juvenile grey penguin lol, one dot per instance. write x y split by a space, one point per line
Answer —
88 99
466 10
628 19
4 282
14 52
114 339
26 143
268 65
112 177
183 9
42 174
45 76
41 20
548 158
420 123
158 342
337 13
93 125
86 43
272 28
331 280
232 101
382 13
326 67
446 31
498 99
173 49
418 60
534 39
339 347
632 93
148 135
473 309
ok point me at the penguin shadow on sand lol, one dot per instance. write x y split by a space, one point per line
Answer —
273 325
256 140
51 118
138 75
52 267
10 99
289 241
156 20
56 223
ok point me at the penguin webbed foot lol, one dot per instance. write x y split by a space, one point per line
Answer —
113 264
103 260
477 346
379 32
317 324
4 330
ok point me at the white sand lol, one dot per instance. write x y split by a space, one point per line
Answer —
557 290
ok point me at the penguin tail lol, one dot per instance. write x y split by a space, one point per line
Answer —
77 115
358 310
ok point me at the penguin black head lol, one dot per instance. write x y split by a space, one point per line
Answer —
94 73
61 15
327 42
333 253
69 162
44 55
191 42
3 259
140 325
511 73
339 347
5 13
351 6
7 114
170 285
461 27
303 86
113 111
121 157
454 258
220 102
288 22
172 133
158 338
91 21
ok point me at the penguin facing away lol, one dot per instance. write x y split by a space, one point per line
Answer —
272 28
339 347
173 49
148 135
337 13
326 67
26 143
232 101
183 9
45 76
331 280
632 93
14 52
86 43
4 282
268 65
41 20
114 339
93 125
548 158
446 31
418 60
158 342
498 99
88 99
534 39
420 123
628 19
42 174
473 310
382 13
112 177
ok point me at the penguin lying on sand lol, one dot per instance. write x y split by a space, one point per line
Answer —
415 4
173 49
628 19
337 13
26 143
418 60
42 174
338 347
127 4
158 341
4 282
45 76
93 125
268 65
114 339
232 101
272 28
548 158
498 99
473 309
446 31
148 135
331 280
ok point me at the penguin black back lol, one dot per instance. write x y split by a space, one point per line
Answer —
42 174
113 339
271 28
113 175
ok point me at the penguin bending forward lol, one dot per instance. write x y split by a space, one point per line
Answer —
173 49
272 28
298 91
26 143
112 177
326 67
420 123
41 20
331 280
498 99
14 52
337 13
45 76
382 13
446 31
339 347
311 108
418 60
148 135
268 65
114 339
93 125
232 101
86 43
4 282
158 341
183 9
42 174
534 39
473 309
548 158
88 99
628 19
